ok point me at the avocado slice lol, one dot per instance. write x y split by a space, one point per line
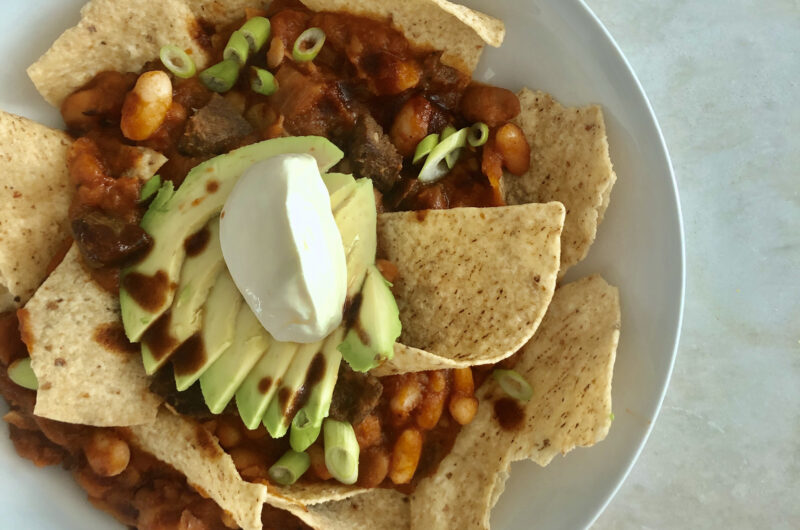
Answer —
146 290
376 326
219 323
356 217
335 181
220 381
304 371
262 382
198 274
307 423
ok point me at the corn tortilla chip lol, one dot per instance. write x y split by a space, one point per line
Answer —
378 509
569 164
569 363
309 494
441 25
35 194
473 283
114 35
188 447
88 373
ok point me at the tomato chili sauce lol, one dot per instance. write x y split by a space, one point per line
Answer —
374 95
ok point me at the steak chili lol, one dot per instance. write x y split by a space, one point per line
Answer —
373 94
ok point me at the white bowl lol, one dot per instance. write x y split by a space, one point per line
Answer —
554 45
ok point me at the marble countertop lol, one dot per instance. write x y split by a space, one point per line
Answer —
724 79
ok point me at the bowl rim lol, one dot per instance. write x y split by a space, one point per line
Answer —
592 21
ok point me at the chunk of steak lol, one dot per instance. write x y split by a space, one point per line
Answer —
355 395
214 129
373 155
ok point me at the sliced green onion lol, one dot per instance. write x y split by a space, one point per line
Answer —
308 45
256 31
304 432
611 416
432 170
221 77
513 384
150 188
289 468
478 134
237 49
425 147
451 158
21 373
341 451
263 82
177 61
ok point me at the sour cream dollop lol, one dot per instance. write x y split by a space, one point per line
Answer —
283 249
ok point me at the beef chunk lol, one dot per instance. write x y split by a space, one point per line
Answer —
373 155
215 129
355 395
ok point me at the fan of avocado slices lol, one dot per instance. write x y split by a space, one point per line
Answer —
183 306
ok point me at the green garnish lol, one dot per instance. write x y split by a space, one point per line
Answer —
221 77
611 416
289 468
263 82
452 156
150 188
341 451
513 384
256 31
425 147
432 171
177 61
478 134
21 373
308 45
304 431
237 49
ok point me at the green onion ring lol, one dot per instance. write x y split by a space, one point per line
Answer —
21 373
425 146
478 134
453 156
290 467
431 170
256 31
237 49
221 77
177 61
303 54
263 82
513 384
341 450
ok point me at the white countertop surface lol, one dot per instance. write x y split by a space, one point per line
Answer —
724 79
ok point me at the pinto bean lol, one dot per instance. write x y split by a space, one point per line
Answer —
368 432
373 467
463 408
405 456
276 52
317 456
146 106
410 125
489 104
407 397
228 434
463 382
513 146
108 454
99 102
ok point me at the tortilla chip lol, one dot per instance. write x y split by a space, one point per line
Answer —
378 509
88 372
146 165
569 164
35 194
114 35
473 283
188 447
438 24
569 364
222 12
309 494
